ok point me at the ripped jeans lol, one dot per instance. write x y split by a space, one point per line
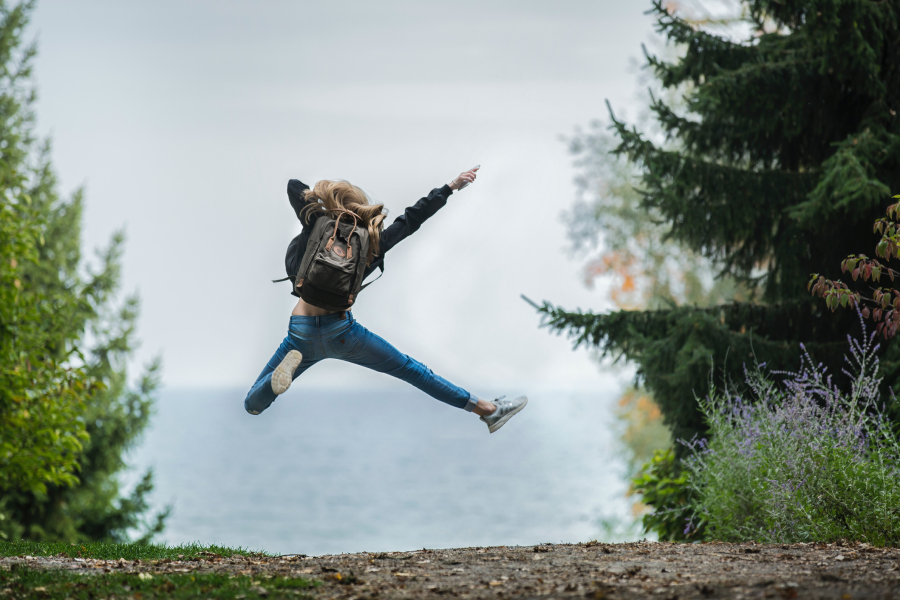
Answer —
340 336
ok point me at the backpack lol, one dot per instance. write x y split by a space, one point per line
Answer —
334 262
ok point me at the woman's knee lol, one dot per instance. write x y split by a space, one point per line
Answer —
254 405
248 408
412 371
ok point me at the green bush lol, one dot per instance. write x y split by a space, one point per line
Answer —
42 391
663 486
67 415
801 461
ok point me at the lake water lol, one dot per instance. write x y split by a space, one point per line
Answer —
329 472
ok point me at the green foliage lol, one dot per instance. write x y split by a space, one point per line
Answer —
775 169
882 304
58 583
41 396
800 461
114 551
663 485
677 349
622 240
641 427
66 414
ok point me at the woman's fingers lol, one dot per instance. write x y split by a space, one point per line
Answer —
465 178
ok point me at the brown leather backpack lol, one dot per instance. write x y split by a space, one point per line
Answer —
331 272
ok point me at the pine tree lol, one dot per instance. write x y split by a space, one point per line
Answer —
67 415
787 151
39 438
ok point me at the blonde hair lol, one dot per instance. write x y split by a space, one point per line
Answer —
327 196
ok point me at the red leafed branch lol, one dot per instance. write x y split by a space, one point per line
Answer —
883 304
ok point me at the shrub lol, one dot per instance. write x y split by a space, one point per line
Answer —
802 460
663 485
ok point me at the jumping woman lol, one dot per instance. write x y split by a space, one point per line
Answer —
325 265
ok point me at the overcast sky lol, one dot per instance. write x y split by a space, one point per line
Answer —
184 121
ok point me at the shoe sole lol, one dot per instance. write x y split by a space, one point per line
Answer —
283 374
502 422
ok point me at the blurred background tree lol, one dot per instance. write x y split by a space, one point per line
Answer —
629 247
772 165
67 413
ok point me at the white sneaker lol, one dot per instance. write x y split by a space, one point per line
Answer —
283 374
505 410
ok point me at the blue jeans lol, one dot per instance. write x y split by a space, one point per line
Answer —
340 336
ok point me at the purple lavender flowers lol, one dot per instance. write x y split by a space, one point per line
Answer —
804 461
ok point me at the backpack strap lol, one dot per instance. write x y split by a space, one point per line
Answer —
341 212
381 268
283 279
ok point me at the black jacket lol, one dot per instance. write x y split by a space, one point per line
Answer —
402 227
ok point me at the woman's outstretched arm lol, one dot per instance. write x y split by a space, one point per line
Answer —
413 217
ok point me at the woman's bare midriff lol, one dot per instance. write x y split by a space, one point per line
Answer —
308 310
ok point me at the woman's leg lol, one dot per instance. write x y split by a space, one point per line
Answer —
261 395
371 351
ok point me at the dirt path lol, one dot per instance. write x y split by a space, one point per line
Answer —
616 571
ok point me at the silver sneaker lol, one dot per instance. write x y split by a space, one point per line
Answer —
505 410
283 374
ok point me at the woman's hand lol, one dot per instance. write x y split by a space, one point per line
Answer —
464 179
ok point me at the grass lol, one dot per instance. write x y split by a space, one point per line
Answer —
24 583
110 551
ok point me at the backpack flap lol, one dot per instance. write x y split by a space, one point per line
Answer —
331 271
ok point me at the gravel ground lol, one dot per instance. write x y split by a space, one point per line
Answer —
592 570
